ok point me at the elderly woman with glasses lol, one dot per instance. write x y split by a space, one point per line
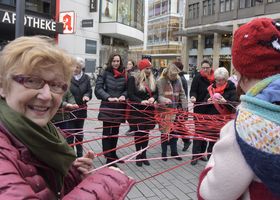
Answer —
35 160
222 99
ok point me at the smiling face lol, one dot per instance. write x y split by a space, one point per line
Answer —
38 105
116 62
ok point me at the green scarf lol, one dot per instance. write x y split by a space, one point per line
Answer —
45 143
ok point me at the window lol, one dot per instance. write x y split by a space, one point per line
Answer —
8 2
90 46
157 9
208 7
226 5
250 3
164 7
209 39
194 44
272 1
151 10
124 11
194 11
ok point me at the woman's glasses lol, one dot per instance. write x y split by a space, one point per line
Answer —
33 82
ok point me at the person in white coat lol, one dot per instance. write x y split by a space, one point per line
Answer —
245 163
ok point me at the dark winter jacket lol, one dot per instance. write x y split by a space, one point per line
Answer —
62 114
199 91
229 94
20 177
139 115
79 89
109 86
184 83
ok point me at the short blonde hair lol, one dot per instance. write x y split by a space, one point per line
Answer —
25 54
221 73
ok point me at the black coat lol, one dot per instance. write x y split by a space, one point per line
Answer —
184 83
229 94
140 117
199 91
109 86
79 89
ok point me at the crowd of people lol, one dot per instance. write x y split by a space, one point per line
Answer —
43 87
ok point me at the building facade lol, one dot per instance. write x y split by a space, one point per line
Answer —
164 20
100 28
210 24
40 19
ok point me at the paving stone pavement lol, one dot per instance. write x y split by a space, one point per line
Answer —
179 183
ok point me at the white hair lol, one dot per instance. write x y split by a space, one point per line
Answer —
221 73
80 62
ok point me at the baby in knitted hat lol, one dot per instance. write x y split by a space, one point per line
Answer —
245 162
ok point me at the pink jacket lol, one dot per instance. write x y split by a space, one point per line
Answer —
19 177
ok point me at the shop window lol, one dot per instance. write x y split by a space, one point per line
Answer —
124 11
194 44
108 10
226 40
209 40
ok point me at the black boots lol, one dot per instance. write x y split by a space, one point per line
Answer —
138 162
186 145
142 156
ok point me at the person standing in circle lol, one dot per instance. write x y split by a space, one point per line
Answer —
81 90
198 93
111 90
142 94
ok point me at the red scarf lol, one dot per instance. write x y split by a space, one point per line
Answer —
117 73
218 89
210 77
220 108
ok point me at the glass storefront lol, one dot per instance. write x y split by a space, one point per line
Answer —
128 12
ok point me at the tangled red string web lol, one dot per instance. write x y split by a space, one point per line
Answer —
185 124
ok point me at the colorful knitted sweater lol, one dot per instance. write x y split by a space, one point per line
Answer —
258 131
245 161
